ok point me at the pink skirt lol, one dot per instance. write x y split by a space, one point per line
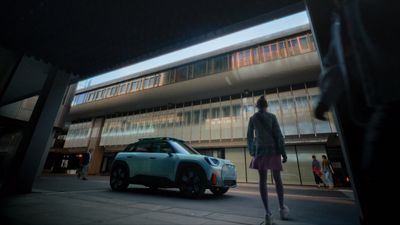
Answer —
270 162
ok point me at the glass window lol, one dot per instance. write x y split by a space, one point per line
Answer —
266 53
215 113
74 102
196 116
303 112
146 83
320 125
151 81
139 85
274 51
164 79
255 55
90 97
289 114
96 96
143 147
82 98
282 49
220 63
128 87
244 57
130 148
200 68
183 148
181 74
78 99
226 111
107 94
187 117
295 46
122 89
157 80
113 91
134 86
205 114
179 119
236 110
304 43
162 147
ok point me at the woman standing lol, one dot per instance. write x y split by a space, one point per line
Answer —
328 171
267 149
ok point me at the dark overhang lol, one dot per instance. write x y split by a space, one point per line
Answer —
90 37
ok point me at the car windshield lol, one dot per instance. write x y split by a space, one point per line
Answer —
181 147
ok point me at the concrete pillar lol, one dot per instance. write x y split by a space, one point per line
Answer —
63 112
94 148
38 147
34 147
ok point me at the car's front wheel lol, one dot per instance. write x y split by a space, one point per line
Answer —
219 190
119 177
191 182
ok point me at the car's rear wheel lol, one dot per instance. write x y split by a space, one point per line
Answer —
219 190
192 182
119 177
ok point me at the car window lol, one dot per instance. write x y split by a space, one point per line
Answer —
162 147
143 147
181 147
130 148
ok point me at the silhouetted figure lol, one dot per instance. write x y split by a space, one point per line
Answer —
360 75
85 164
267 149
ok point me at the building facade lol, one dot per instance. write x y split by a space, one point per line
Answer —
208 102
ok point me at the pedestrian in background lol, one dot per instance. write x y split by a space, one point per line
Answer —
316 170
85 164
327 171
267 149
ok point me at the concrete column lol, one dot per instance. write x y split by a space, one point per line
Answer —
95 149
63 112
34 147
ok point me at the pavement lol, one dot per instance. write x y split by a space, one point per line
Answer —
67 200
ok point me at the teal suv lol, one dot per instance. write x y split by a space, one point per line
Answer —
171 163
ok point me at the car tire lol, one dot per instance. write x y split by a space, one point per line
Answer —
191 182
119 177
219 190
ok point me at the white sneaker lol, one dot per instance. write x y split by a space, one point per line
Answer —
268 220
284 213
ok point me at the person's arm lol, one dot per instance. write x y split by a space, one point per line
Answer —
279 140
250 137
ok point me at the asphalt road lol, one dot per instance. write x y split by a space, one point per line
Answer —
67 200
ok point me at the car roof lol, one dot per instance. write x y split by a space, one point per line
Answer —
159 139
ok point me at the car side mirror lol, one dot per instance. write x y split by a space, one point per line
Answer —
169 154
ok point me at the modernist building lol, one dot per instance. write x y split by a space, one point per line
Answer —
207 101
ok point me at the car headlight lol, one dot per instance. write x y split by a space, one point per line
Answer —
212 161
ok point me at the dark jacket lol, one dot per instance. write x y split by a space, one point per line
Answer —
268 138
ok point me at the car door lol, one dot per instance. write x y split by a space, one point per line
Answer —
164 161
138 159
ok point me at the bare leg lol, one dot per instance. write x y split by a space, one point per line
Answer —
263 190
279 187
